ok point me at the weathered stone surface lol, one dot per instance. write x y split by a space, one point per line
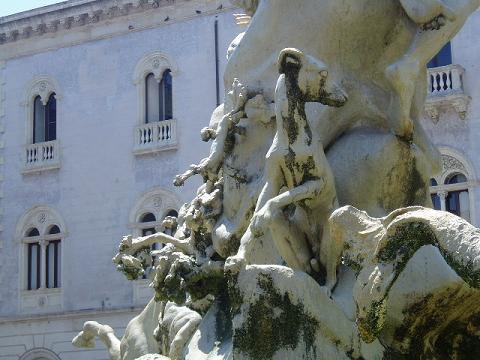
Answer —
264 264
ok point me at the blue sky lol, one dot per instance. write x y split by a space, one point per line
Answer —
8 7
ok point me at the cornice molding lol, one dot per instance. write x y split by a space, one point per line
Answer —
78 13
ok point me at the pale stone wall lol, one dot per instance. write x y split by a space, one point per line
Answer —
451 132
100 179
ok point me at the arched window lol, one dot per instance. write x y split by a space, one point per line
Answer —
146 218
43 257
151 209
44 119
42 151
147 224
158 97
39 354
156 125
34 259
435 198
450 190
41 232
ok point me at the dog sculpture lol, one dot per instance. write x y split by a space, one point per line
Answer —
296 161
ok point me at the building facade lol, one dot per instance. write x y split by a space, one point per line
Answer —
101 105
452 121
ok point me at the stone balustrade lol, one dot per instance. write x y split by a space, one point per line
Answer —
42 156
445 80
155 136
446 90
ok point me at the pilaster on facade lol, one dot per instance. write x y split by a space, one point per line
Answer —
2 141
2 159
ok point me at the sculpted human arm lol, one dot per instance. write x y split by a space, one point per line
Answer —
131 245
263 216
307 190
92 330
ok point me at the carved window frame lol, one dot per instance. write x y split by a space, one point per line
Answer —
159 202
43 299
43 86
39 353
453 163
155 63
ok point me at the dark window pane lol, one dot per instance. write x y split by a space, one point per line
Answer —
33 270
456 179
436 202
38 121
58 266
148 217
33 232
146 232
444 57
51 119
152 95
53 264
167 95
433 182
173 213
149 231
453 202
54 230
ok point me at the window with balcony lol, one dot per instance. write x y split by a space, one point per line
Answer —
156 125
445 86
41 233
42 149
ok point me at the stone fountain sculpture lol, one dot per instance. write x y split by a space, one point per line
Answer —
312 236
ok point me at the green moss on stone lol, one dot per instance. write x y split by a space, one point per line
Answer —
405 243
412 236
371 326
274 323
400 248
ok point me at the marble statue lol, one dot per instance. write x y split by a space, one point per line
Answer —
296 161
312 235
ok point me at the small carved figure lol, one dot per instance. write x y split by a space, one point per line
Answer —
210 166
175 326
296 161
137 341
92 330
